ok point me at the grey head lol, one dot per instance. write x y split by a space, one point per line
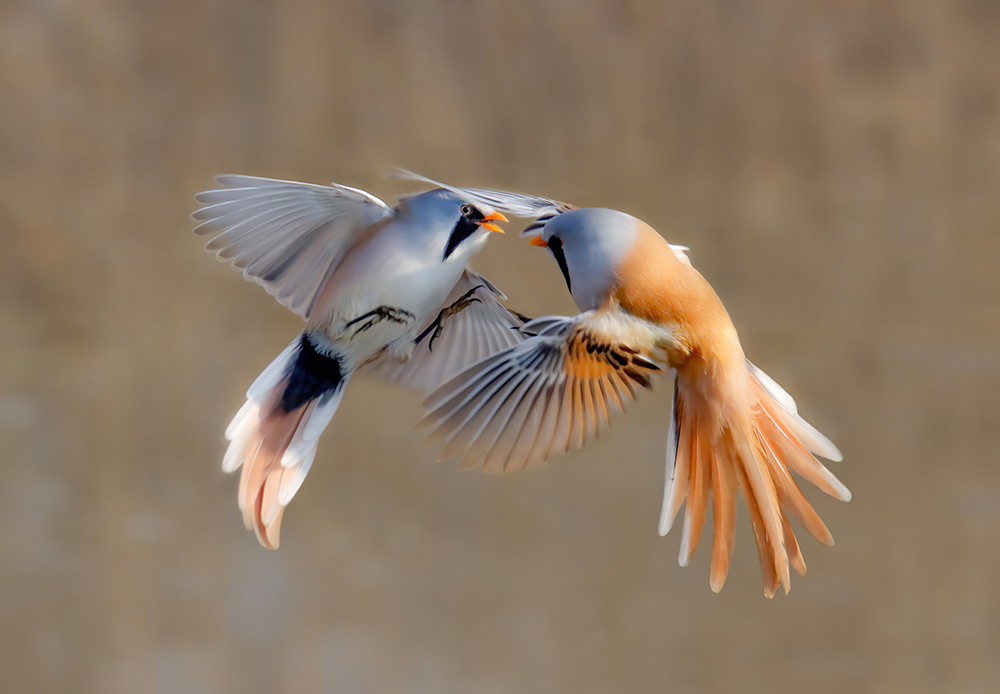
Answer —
462 224
589 244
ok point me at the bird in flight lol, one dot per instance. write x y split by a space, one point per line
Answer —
645 312
375 286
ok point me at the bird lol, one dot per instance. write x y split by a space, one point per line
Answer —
645 313
381 289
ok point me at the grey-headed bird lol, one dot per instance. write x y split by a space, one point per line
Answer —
375 286
645 312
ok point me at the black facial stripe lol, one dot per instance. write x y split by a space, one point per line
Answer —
466 226
463 230
555 245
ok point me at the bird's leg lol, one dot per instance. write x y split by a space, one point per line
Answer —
372 318
437 327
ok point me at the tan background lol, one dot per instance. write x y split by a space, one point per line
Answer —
835 167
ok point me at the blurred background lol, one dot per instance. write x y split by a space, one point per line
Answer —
834 167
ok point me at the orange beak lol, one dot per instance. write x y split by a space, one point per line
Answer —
537 241
488 220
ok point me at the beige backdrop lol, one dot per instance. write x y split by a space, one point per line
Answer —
835 168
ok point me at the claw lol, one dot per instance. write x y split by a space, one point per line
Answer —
376 316
437 327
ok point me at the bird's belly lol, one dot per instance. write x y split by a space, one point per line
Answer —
420 290
390 308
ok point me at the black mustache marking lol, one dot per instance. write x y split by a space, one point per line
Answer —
555 245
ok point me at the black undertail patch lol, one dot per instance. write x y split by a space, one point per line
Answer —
312 376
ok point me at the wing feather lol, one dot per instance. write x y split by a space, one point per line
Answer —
488 422
492 449
517 204
527 429
546 395
284 235
601 398
549 408
465 415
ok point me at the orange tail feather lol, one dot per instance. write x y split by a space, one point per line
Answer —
262 473
746 435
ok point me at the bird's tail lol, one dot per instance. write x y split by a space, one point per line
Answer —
275 434
752 448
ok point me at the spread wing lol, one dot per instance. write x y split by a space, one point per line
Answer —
547 395
283 235
449 343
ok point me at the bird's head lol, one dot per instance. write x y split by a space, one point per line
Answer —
589 244
466 222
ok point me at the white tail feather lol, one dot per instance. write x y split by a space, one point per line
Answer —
808 434
246 417
294 476
274 372
274 446
672 487
324 413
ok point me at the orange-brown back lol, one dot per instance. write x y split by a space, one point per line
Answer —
654 283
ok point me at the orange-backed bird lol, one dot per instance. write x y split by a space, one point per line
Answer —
645 311
374 284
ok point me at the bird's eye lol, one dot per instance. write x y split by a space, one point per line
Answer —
466 210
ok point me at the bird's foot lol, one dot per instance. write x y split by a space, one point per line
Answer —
437 327
372 318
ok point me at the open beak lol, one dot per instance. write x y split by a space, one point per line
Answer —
537 241
488 220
